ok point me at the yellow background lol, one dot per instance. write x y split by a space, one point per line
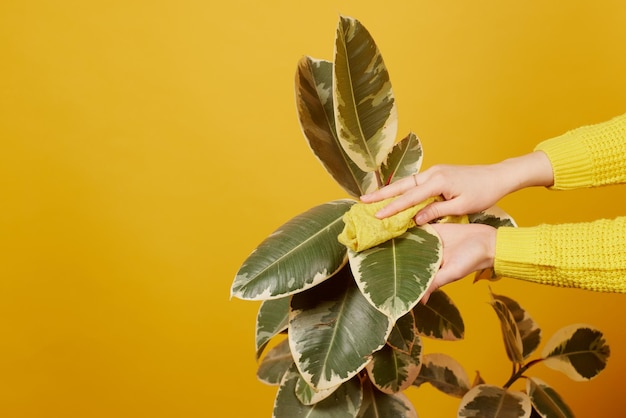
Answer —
148 146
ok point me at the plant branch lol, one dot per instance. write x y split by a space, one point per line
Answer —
521 372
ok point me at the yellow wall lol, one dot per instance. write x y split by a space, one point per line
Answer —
148 146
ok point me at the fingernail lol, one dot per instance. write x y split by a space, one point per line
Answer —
420 219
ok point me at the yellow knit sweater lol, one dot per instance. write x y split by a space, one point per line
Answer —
588 255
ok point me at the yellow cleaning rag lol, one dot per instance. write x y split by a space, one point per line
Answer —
363 230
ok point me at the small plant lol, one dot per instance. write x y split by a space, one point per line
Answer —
352 320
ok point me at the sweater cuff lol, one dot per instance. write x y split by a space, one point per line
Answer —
516 253
570 159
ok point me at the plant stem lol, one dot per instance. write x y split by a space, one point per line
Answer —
521 372
379 180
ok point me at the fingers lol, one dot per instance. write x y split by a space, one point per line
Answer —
410 198
394 189
436 210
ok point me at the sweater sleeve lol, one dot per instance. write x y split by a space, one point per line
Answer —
587 255
593 155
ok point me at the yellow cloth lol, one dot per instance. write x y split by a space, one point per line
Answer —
587 255
363 230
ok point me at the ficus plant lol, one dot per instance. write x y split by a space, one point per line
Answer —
340 332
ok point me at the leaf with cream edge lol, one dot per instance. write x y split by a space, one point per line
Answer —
530 333
377 404
314 102
439 318
272 319
405 159
495 217
546 401
444 373
297 256
366 117
487 401
394 367
275 364
579 351
334 330
309 396
510 333
345 402
394 275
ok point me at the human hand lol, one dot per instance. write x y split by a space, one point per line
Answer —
466 248
465 189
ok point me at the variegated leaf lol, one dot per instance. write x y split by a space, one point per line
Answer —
377 404
314 101
365 110
510 333
297 256
308 395
444 373
580 351
272 319
494 216
392 370
439 318
334 330
404 160
478 379
275 364
404 334
394 275
546 401
486 401
528 328
344 402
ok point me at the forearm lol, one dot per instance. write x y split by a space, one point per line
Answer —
590 255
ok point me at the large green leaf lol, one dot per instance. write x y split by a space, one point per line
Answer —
298 255
392 370
510 333
546 401
444 373
344 402
314 101
530 332
365 111
272 319
405 159
275 364
394 275
377 404
334 331
486 401
439 318
580 351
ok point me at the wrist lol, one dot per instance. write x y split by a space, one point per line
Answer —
529 170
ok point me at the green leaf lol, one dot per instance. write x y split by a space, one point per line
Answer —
344 402
404 334
510 332
486 401
365 111
377 404
404 160
272 319
275 364
579 351
297 256
439 318
394 275
494 216
392 370
314 102
308 395
528 328
444 373
546 401
334 331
